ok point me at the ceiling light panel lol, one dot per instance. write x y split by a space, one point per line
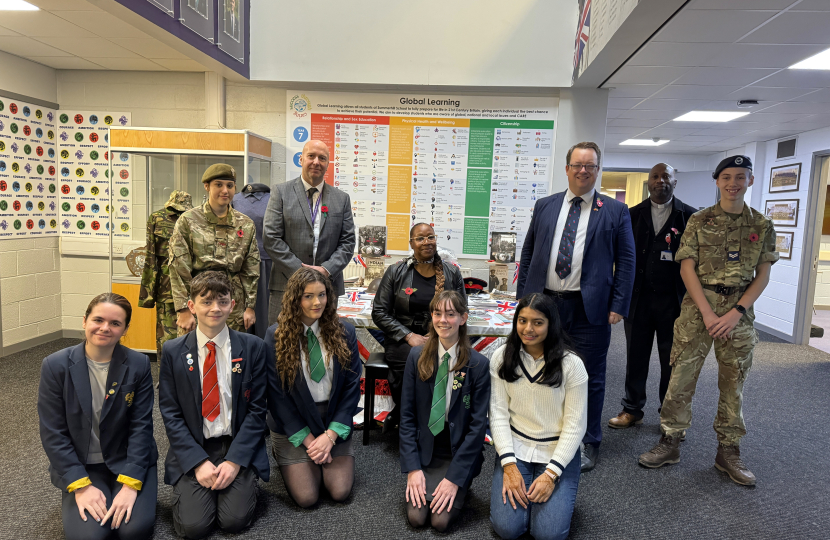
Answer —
17 5
644 142
817 61
710 116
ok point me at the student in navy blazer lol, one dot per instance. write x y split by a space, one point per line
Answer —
214 461
313 389
95 404
444 404
582 255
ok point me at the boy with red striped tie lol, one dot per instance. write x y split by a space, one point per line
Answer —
212 398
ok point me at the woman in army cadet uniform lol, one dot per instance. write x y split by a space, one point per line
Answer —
215 237
155 279
725 257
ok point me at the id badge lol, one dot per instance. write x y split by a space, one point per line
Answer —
667 256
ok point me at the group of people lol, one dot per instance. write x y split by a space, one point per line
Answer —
223 391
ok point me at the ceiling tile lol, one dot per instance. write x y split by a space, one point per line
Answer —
656 104
148 47
740 4
618 130
768 118
756 55
679 91
80 5
767 93
65 62
42 24
129 64
819 96
175 64
26 47
623 103
719 76
675 54
793 27
645 75
634 122
633 90
800 107
671 131
90 48
102 24
646 114
7 32
711 26
799 78
812 5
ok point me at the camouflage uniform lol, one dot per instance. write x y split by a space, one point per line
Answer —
712 239
201 241
155 279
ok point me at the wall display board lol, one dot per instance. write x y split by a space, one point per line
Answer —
598 21
83 175
198 15
468 165
164 5
232 28
29 197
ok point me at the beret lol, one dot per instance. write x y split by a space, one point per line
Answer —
219 171
732 161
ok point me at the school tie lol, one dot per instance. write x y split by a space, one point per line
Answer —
315 357
311 193
438 411
566 245
210 385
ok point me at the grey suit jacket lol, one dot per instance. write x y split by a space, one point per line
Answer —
289 238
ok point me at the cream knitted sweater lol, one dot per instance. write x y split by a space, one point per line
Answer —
525 414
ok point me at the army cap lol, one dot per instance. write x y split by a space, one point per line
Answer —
732 161
219 171
179 200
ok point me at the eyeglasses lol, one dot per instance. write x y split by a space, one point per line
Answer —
590 167
421 239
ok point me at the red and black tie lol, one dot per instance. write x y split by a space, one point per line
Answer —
210 385
566 245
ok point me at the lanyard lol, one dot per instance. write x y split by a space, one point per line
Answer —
316 207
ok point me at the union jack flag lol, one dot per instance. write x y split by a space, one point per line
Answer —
353 296
583 33
359 260
516 273
504 306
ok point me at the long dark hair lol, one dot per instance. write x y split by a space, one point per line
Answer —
556 346
426 362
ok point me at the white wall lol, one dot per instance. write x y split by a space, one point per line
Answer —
614 159
581 118
21 76
433 42
696 188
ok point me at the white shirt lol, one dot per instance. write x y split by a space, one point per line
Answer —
319 218
221 425
660 214
452 362
572 280
320 391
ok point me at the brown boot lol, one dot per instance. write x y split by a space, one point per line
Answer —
667 451
729 461
624 420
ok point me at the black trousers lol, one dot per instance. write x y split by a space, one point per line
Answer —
142 519
395 356
655 314
195 507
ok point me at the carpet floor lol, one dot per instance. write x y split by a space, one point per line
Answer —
785 398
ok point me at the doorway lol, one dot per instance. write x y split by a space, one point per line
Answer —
630 187
817 318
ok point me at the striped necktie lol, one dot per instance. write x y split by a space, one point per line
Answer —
210 385
566 245
315 357
438 411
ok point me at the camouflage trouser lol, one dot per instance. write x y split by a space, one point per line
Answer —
165 324
689 349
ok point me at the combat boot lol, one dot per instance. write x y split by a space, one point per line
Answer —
666 452
729 461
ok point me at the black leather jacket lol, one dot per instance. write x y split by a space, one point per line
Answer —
390 311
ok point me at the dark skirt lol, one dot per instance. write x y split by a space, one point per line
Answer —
439 465
287 454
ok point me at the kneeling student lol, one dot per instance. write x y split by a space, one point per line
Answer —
212 399
313 388
95 404
444 402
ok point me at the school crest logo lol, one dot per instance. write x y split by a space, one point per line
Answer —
300 104
129 397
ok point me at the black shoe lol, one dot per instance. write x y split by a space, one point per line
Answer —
590 453
391 421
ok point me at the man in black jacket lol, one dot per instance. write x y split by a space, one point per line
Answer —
658 223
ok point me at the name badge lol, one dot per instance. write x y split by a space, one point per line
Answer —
733 256
666 256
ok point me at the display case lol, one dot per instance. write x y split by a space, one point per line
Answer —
145 166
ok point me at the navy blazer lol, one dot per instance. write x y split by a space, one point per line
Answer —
467 418
292 409
180 402
64 405
607 263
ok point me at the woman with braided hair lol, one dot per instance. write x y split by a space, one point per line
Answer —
313 390
401 306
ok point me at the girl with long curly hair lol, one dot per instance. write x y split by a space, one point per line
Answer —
444 402
313 390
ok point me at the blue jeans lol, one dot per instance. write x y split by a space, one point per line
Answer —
550 520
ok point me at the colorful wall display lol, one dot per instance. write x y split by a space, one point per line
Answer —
29 197
84 176
468 165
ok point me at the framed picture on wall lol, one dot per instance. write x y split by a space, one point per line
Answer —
784 244
784 178
783 212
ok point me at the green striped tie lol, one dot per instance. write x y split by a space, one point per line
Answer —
438 411
315 357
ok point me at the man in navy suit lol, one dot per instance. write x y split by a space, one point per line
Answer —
212 387
579 249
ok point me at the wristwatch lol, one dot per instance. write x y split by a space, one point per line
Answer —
741 309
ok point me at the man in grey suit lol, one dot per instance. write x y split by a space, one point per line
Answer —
307 223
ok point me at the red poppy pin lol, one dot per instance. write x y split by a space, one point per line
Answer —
599 203
668 239
240 233
324 209
675 231
248 394
409 291
753 237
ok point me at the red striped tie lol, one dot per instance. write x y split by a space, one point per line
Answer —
210 385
